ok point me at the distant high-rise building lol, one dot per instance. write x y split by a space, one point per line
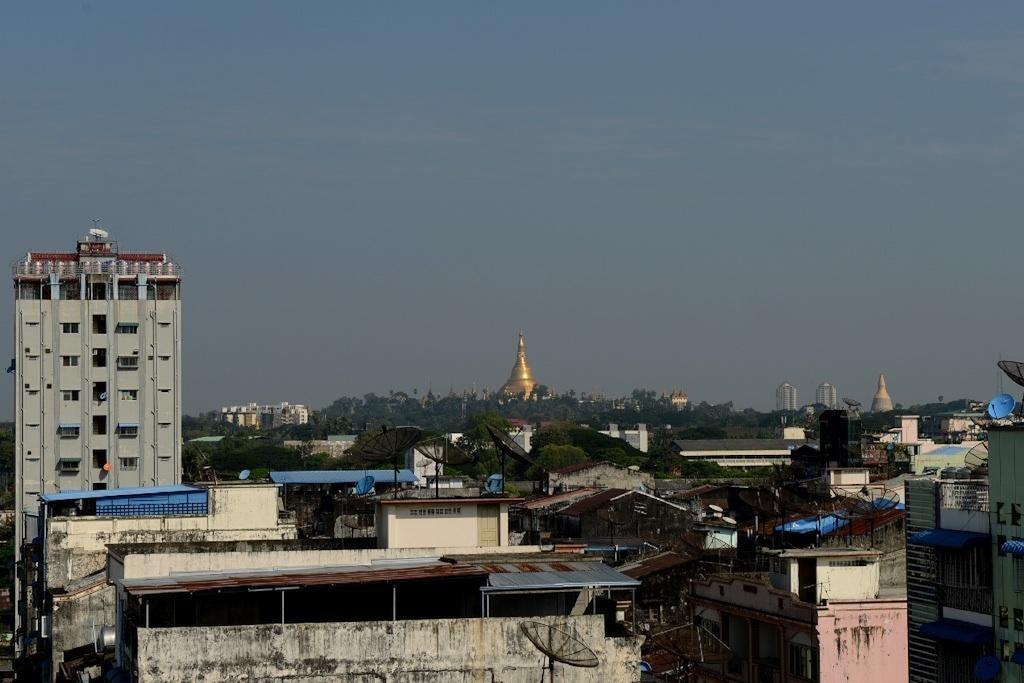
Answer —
826 395
98 373
786 397
882 403
520 381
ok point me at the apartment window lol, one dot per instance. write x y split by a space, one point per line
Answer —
128 292
99 457
69 328
68 431
1018 619
99 391
127 362
1015 514
127 429
128 464
127 328
69 394
803 662
1004 617
68 465
98 291
99 324
99 358
129 394
99 425
999 513
165 356
99 486
69 361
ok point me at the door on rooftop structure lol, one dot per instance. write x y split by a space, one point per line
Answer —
487 525
807 575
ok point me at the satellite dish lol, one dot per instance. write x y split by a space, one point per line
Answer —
1014 370
1000 406
103 396
715 508
443 452
559 645
976 459
387 445
507 448
986 668
495 484
243 475
851 403
646 668
365 485
729 520
99 233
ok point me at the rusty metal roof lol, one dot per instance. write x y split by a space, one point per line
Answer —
383 572
541 502
654 564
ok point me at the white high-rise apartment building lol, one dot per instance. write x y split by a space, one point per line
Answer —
786 398
826 395
98 365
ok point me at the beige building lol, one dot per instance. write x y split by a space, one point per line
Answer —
443 522
97 374
80 527
259 416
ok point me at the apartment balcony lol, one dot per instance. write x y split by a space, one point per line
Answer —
971 598
73 269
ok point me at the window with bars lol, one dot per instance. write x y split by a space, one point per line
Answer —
69 394
127 328
803 662
69 328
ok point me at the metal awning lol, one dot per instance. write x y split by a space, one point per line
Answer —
950 538
1013 546
69 425
70 458
956 631
127 424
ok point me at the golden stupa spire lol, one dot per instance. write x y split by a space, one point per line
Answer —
520 381
882 402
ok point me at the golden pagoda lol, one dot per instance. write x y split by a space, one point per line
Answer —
520 382
882 402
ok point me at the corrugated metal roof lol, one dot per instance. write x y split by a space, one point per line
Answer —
375 572
690 445
541 502
591 503
568 575
117 493
652 565
383 477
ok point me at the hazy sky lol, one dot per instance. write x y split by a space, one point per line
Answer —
716 197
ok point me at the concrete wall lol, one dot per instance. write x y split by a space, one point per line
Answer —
602 475
447 650
863 641
135 566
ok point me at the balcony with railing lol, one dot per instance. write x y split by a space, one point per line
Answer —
156 265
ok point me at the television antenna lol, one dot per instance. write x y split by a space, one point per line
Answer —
507 448
560 645
614 518
387 445
442 451
689 645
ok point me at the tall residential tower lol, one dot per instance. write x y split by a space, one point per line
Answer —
786 397
98 372
826 395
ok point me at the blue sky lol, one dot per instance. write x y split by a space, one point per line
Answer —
375 196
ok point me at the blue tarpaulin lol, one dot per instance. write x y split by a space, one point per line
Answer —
956 631
950 538
1013 546
826 524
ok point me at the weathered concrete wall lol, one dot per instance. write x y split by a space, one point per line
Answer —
137 566
603 475
77 620
446 650
863 641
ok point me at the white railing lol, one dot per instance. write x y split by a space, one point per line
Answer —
115 267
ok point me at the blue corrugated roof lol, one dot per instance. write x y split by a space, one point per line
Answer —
956 631
949 538
826 524
382 477
1014 546
117 493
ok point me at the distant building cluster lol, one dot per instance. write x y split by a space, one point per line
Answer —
637 438
265 416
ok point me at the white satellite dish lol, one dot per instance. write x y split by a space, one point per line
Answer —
729 520
715 508
99 233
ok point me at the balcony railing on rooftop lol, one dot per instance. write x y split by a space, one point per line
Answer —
26 268
971 496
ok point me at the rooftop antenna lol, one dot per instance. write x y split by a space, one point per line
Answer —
690 645
442 451
387 445
507 448
559 645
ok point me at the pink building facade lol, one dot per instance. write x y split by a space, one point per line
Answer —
773 635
